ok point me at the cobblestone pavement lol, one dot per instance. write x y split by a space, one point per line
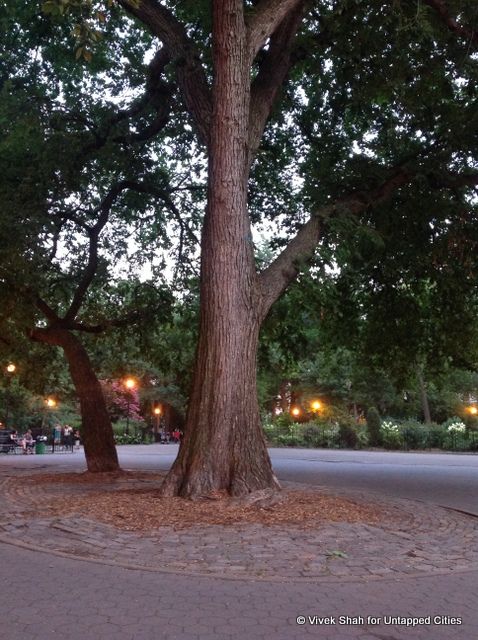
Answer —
53 597
233 582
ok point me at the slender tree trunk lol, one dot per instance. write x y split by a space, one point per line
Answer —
223 446
424 396
97 432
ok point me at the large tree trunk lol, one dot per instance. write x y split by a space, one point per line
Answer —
224 447
97 432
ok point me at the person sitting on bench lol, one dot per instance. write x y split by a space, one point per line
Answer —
28 442
14 438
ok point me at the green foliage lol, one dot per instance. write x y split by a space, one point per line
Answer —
415 435
130 438
348 435
394 435
390 435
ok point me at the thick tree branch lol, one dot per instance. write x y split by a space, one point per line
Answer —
94 233
300 250
280 273
124 321
157 94
189 72
456 180
264 21
49 313
275 279
272 72
441 8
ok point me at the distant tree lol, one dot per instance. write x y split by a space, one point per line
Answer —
74 180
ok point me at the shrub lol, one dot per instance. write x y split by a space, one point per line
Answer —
312 435
390 435
436 436
287 440
457 436
414 435
128 438
373 427
348 436
283 423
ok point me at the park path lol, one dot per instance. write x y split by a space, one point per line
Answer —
53 597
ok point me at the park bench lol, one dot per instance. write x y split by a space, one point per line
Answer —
6 444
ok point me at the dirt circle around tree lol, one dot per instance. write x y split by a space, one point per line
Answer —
309 533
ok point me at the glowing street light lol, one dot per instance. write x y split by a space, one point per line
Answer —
316 405
10 370
295 412
157 412
50 402
473 410
130 384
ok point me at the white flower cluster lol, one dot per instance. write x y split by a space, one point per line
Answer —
389 426
457 427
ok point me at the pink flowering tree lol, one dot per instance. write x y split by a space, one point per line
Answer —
121 402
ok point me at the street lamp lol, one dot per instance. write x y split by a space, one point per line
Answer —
130 384
50 403
10 370
316 406
472 410
157 412
295 412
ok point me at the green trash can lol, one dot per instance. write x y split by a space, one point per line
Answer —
40 447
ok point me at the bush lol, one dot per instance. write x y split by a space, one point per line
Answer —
436 436
128 438
348 436
414 435
373 427
313 435
287 440
390 435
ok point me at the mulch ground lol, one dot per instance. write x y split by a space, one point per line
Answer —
118 499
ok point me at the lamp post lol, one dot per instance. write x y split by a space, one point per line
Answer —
10 370
473 411
50 403
157 412
130 384
295 411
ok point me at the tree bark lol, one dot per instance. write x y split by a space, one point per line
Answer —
97 432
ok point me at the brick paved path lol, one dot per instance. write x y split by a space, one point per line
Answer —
77 600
